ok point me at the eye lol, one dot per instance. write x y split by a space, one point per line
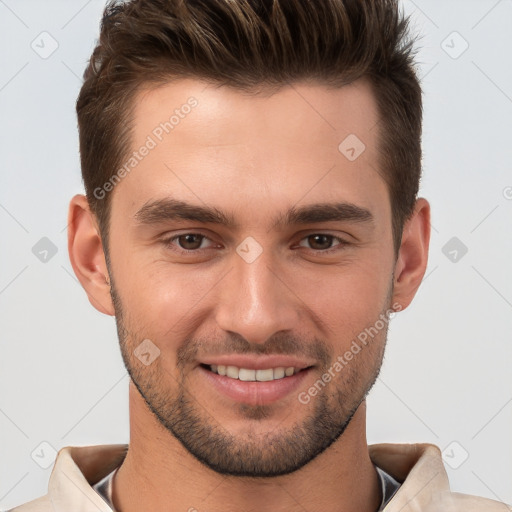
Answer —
188 241
321 242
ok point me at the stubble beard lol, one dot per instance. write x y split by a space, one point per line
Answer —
277 452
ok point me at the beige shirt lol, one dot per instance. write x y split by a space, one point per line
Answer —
425 485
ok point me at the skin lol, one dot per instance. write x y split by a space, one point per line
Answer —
252 157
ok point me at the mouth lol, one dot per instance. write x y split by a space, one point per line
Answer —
254 381
251 374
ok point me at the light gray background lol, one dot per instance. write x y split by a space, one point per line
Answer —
447 375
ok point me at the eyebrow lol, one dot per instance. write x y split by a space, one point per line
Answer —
168 209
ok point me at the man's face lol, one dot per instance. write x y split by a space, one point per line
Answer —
282 259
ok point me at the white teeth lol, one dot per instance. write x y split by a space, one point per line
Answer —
232 371
248 375
245 374
265 375
278 373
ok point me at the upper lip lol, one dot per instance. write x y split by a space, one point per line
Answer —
252 362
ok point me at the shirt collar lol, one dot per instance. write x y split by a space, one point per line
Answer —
76 469
420 468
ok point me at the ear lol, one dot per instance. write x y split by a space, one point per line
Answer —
87 256
413 255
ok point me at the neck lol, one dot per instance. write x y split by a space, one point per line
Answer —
159 473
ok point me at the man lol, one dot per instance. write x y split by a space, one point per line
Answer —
252 221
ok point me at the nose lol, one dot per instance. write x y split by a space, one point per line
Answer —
255 301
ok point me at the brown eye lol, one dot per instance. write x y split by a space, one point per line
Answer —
190 241
323 243
186 244
320 242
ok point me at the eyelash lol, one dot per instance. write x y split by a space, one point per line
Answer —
339 246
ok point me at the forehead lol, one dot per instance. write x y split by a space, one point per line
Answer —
227 115
198 142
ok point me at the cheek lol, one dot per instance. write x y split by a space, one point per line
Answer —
347 299
160 298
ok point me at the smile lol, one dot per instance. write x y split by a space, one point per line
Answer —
251 375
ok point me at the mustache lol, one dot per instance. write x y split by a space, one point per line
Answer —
233 343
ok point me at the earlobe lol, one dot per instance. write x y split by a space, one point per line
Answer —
87 256
412 259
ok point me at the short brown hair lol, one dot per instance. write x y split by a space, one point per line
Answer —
249 44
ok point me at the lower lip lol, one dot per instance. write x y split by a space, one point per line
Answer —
254 393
